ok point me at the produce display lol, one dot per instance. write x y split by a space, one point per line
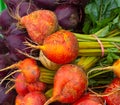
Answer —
60 52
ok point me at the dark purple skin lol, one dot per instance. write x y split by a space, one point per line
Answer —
75 2
46 4
4 62
14 30
9 98
15 43
3 46
14 58
12 14
68 16
5 20
12 3
52 4
23 7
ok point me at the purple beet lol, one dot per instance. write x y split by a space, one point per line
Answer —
4 62
3 46
75 2
14 30
46 4
5 20
21 7
15 43
14 58
12 4
68 16
26 8
7 99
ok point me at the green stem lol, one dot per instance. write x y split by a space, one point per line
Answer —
92 38
90 50
87 62
95 52
95 45
115 34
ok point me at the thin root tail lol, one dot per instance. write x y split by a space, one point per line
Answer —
27 55
10 67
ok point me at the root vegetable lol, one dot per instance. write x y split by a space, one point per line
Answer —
5 20
15 42
70 82
34 98
19 100
40 24
68 16
21 85
30 70
20 7
36 86
14 58
4 62
14 30
49 4
26 8
28 67
47 63
6 99
75 2
3 47
89 99
60 47
113 92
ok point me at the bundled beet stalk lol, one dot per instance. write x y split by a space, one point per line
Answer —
102 44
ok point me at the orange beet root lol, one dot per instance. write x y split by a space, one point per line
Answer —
40 24
34 98
89 99
28 67
30 70
36 86
19 100
60 47
70 82
21 85
113 92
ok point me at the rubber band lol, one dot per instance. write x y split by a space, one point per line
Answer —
101 45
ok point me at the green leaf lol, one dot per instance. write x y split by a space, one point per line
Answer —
115 57
100 13
2 5
93 13
109 58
